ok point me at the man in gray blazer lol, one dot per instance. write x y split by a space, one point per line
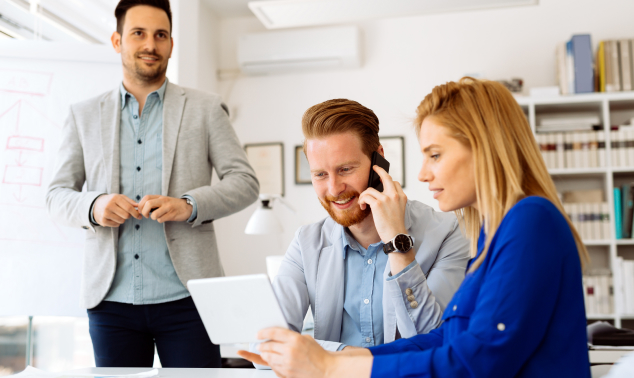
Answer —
145 153
362 290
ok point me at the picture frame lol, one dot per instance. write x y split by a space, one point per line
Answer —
394 148
267 160
302 168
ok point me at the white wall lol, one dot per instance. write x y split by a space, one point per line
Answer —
194 60
404 59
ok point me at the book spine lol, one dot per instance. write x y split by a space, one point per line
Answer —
586 221
631 46
605 220
614 143
584 74
570 68
601 148
626 70
597 221
629 146
552 150
623 161
618 219
616 63
626 194
562 75
592 150
585 150
601 66
561 160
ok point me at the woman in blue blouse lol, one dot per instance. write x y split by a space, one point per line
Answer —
519 311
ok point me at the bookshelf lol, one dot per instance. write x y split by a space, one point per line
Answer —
613 109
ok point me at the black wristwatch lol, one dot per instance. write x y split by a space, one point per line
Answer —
401 243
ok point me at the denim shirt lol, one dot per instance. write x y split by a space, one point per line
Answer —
145 273
362 323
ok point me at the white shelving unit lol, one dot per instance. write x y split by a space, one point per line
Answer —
614 109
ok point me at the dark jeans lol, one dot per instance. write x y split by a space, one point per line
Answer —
123 335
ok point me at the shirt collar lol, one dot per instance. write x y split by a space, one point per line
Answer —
348 242
124 93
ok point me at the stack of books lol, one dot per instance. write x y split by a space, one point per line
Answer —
622 143
573 150
599 292
575 72
615 64
626 300
592 220
624 211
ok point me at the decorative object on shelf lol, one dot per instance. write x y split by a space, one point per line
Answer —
394 149
514 85
267 160
302 168
264 221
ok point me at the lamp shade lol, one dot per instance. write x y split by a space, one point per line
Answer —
263 221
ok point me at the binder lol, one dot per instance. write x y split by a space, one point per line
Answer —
618 218
582 60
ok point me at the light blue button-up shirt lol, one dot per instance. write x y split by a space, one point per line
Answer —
362 306
145 273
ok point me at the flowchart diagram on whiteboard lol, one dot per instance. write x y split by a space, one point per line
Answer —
41 261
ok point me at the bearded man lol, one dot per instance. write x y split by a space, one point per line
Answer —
361 290
145 152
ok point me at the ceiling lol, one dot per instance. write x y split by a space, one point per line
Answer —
93 21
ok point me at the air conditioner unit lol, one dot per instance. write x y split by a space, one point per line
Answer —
302 49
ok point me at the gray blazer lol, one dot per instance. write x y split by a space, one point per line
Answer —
313 272
197 137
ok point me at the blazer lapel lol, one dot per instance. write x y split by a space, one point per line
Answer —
173 107
110 118
330 289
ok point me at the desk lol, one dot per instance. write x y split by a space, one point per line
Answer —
182 373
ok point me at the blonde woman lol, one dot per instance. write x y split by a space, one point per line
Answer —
519 311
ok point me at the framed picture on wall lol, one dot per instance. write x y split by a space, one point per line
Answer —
302 169
267 159
394 148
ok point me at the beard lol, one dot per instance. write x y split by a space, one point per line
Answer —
144 73
348 217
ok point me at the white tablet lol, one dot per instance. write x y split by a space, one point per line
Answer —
234 309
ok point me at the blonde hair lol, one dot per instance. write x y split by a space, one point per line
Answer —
484 116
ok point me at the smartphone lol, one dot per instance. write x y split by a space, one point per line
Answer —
375 181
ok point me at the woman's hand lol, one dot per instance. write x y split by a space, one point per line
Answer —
388 208
290 354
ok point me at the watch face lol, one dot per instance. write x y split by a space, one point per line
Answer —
402 243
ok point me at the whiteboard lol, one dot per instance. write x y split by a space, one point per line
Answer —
40 261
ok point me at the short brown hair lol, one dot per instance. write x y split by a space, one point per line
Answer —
124 5
339 116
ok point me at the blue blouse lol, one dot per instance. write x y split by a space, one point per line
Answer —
520 314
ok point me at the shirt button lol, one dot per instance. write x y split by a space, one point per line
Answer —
367 339
369 261
137 226
366 301
501 327
138 168
413 304
455 307
135 116
408 291
136 257
411 298
139 141
138 198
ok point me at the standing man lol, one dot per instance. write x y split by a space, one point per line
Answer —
145 152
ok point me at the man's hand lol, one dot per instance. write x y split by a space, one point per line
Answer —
166 209
113 210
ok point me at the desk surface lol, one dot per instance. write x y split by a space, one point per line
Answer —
182 373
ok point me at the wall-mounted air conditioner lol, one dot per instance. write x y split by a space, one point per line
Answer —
301 49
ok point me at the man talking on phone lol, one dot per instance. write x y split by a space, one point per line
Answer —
364 291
